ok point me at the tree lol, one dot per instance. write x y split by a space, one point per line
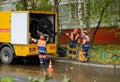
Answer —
83 14
2 0
98 25
80 14
22 5
43 5
56 8
104 13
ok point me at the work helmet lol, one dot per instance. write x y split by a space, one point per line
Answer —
75 30
85 31
42 37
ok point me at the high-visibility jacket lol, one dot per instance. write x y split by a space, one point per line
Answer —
41 46
86 44
74 37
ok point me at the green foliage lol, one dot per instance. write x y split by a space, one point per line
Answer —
35 79
110 54
65 79
111 15
63 14
19 6
6 79
43 5
44 79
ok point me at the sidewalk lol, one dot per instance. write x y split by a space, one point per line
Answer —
75 61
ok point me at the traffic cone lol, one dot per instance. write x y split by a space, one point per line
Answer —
50 67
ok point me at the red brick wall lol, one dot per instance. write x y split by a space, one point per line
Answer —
65 39
107 36
103 36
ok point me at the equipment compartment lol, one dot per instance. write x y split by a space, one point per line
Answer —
43 24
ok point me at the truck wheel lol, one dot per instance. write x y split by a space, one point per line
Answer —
6 55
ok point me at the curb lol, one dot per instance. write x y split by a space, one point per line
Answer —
66 60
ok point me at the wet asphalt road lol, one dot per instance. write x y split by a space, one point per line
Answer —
19 72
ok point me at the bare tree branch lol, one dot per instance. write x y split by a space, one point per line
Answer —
99 22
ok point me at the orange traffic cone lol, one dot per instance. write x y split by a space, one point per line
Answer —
50 67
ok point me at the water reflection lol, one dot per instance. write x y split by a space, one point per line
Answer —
81 73
77 73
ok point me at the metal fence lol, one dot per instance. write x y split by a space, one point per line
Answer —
105 56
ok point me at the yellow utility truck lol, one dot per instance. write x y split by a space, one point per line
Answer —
16 27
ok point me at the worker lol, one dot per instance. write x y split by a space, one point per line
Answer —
85 44
74 39
41 48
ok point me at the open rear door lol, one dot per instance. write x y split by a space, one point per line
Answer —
19 28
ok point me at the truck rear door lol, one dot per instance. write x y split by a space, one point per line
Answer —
19 28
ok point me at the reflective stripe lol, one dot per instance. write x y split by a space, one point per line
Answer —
74 37
41 51
41 46
86 45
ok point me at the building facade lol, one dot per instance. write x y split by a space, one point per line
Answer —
68 9
6 5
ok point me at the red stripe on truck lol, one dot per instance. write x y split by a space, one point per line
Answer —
4 30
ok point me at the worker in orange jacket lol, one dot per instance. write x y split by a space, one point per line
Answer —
74 39
41 48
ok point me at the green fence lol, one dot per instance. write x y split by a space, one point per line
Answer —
105 56
102 53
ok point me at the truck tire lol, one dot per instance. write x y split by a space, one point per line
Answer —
6 55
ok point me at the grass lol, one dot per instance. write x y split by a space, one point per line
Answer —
107 54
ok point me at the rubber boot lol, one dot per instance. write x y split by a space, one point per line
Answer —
70 56
73 57
87 56
45 60
41 62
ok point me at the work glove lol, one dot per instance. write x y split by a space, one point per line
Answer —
82 45
60 31
63 32
79 45
30 38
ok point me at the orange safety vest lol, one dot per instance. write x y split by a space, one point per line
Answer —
74 38
41 46
41 43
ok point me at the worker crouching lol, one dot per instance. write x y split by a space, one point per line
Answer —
41 43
